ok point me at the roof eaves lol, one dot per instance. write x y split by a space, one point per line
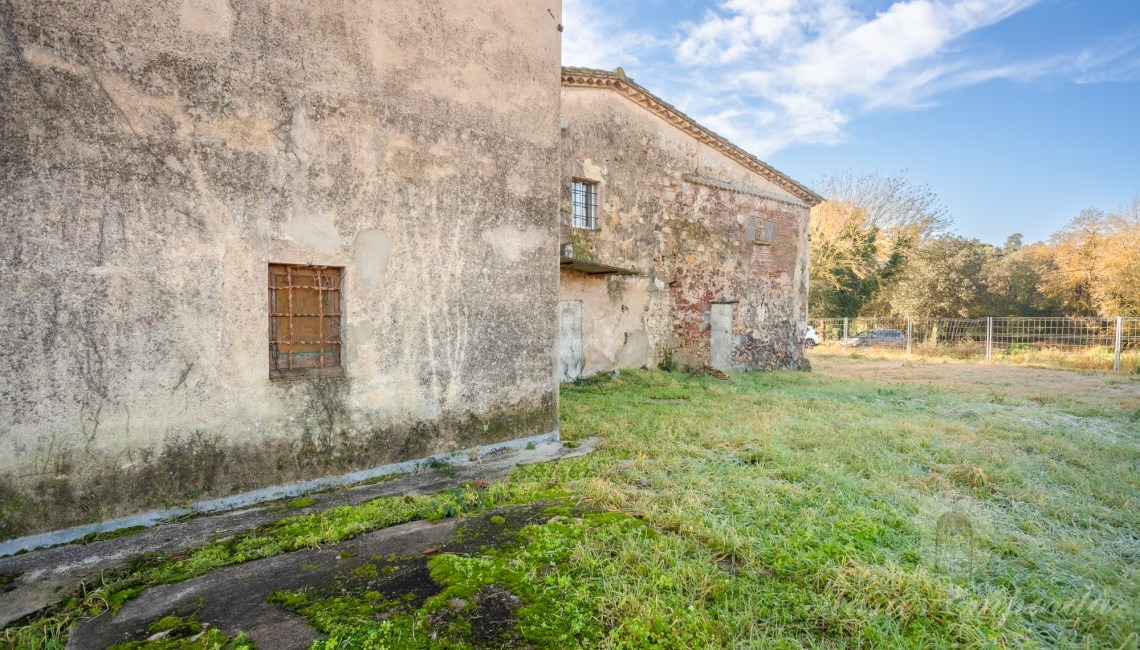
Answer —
577 77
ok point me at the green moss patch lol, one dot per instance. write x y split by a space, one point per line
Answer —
505 591
175 633
111 534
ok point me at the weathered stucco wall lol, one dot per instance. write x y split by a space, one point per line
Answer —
157 155
687 218
614 309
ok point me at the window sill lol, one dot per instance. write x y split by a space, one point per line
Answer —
306 373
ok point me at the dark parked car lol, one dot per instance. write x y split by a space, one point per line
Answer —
887 338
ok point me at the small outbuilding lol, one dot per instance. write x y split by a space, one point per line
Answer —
677 246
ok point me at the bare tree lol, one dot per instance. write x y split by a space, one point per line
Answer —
903 213
863 233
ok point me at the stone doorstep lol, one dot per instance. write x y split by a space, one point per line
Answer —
44 577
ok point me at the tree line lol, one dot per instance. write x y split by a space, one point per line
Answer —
882 246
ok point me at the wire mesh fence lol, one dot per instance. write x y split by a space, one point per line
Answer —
1085 343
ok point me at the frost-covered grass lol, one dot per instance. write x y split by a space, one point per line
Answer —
843 512
911 505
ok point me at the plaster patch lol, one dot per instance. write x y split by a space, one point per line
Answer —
520 184
359 335
207 17
636 352
301 137
591 170
42 57
512 243
442 150
437 172
371 252
313 230
399 156
386 52
486 167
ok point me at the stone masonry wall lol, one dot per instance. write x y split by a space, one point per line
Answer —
688 219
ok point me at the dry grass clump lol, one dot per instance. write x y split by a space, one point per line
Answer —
1096 358
971 476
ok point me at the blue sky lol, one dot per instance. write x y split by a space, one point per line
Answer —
1017 113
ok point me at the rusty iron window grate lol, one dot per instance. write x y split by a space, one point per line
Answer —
304 320
584 205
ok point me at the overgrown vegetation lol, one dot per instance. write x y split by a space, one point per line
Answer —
775 511
881 246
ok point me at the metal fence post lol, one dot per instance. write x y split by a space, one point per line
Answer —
989 339
909 334
844 333
1119 347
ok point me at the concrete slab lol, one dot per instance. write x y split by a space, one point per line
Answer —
235 599
38 579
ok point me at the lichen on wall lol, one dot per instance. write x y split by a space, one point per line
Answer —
689 219
159 155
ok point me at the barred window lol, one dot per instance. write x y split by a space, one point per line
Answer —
304 320
584 205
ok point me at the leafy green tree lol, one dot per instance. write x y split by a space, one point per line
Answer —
944 279
1013 276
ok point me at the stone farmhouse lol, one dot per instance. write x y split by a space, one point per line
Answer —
677 247
253 248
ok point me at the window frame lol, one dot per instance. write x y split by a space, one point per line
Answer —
588 219
328 283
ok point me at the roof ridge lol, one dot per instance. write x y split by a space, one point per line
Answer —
617 80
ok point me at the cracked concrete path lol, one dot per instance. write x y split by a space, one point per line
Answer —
234 599
36 580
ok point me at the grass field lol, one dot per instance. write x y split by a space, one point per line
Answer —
871 503
1092 358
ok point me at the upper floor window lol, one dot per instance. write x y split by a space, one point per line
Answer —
584 204
304 320
765 237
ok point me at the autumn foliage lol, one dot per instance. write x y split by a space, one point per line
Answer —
881 246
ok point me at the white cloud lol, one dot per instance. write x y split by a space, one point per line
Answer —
594 38
819 62
1116 59
771 73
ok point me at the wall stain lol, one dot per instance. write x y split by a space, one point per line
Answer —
195 465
